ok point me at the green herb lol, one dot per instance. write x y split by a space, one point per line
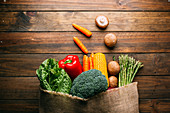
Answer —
128 69
52 77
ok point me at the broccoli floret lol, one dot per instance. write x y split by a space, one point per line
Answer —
89 83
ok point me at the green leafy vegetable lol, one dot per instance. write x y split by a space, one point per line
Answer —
128 69
89 83
52 77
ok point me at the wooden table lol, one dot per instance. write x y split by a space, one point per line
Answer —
27 38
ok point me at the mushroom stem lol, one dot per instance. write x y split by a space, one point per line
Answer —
102 20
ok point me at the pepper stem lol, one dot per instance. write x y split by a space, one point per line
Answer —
68 61
113 58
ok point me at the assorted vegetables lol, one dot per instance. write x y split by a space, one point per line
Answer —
128 69
93 77
80 44
58 76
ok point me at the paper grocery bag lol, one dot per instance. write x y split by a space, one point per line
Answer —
118 100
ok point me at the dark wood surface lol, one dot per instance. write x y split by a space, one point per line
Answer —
76 5
26 39
62 21
62 42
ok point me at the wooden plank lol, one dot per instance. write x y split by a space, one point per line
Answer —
154 106
19 88
62 21
62 42
28 87
153 86
19 106
25 64
51 5
31 106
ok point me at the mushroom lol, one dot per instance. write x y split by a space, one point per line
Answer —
113 81
102 21
113 68
110 39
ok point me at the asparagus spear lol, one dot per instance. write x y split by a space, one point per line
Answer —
128 69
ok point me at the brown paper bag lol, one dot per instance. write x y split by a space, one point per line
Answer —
118 100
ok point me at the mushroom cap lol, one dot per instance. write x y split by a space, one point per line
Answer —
110 39
102 21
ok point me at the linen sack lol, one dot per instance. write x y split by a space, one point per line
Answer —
117 100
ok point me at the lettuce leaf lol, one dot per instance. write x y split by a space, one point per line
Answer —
52 77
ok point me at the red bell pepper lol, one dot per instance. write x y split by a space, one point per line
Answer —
71 65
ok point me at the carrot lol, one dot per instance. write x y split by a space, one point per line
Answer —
83 30
90 63
85 63
92 57
80 44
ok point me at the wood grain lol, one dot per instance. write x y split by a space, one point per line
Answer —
154 105
153 86
141 26
62 42
62 21
31 106
18 65
149 87
106 5
19 106
19 88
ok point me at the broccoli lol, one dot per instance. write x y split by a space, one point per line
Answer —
88 84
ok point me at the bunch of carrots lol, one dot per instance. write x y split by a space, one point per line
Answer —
88 62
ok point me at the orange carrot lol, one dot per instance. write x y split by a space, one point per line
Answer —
80 44
83 30
92 57
90 63
85 63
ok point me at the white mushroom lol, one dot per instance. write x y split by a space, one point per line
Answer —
102 21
